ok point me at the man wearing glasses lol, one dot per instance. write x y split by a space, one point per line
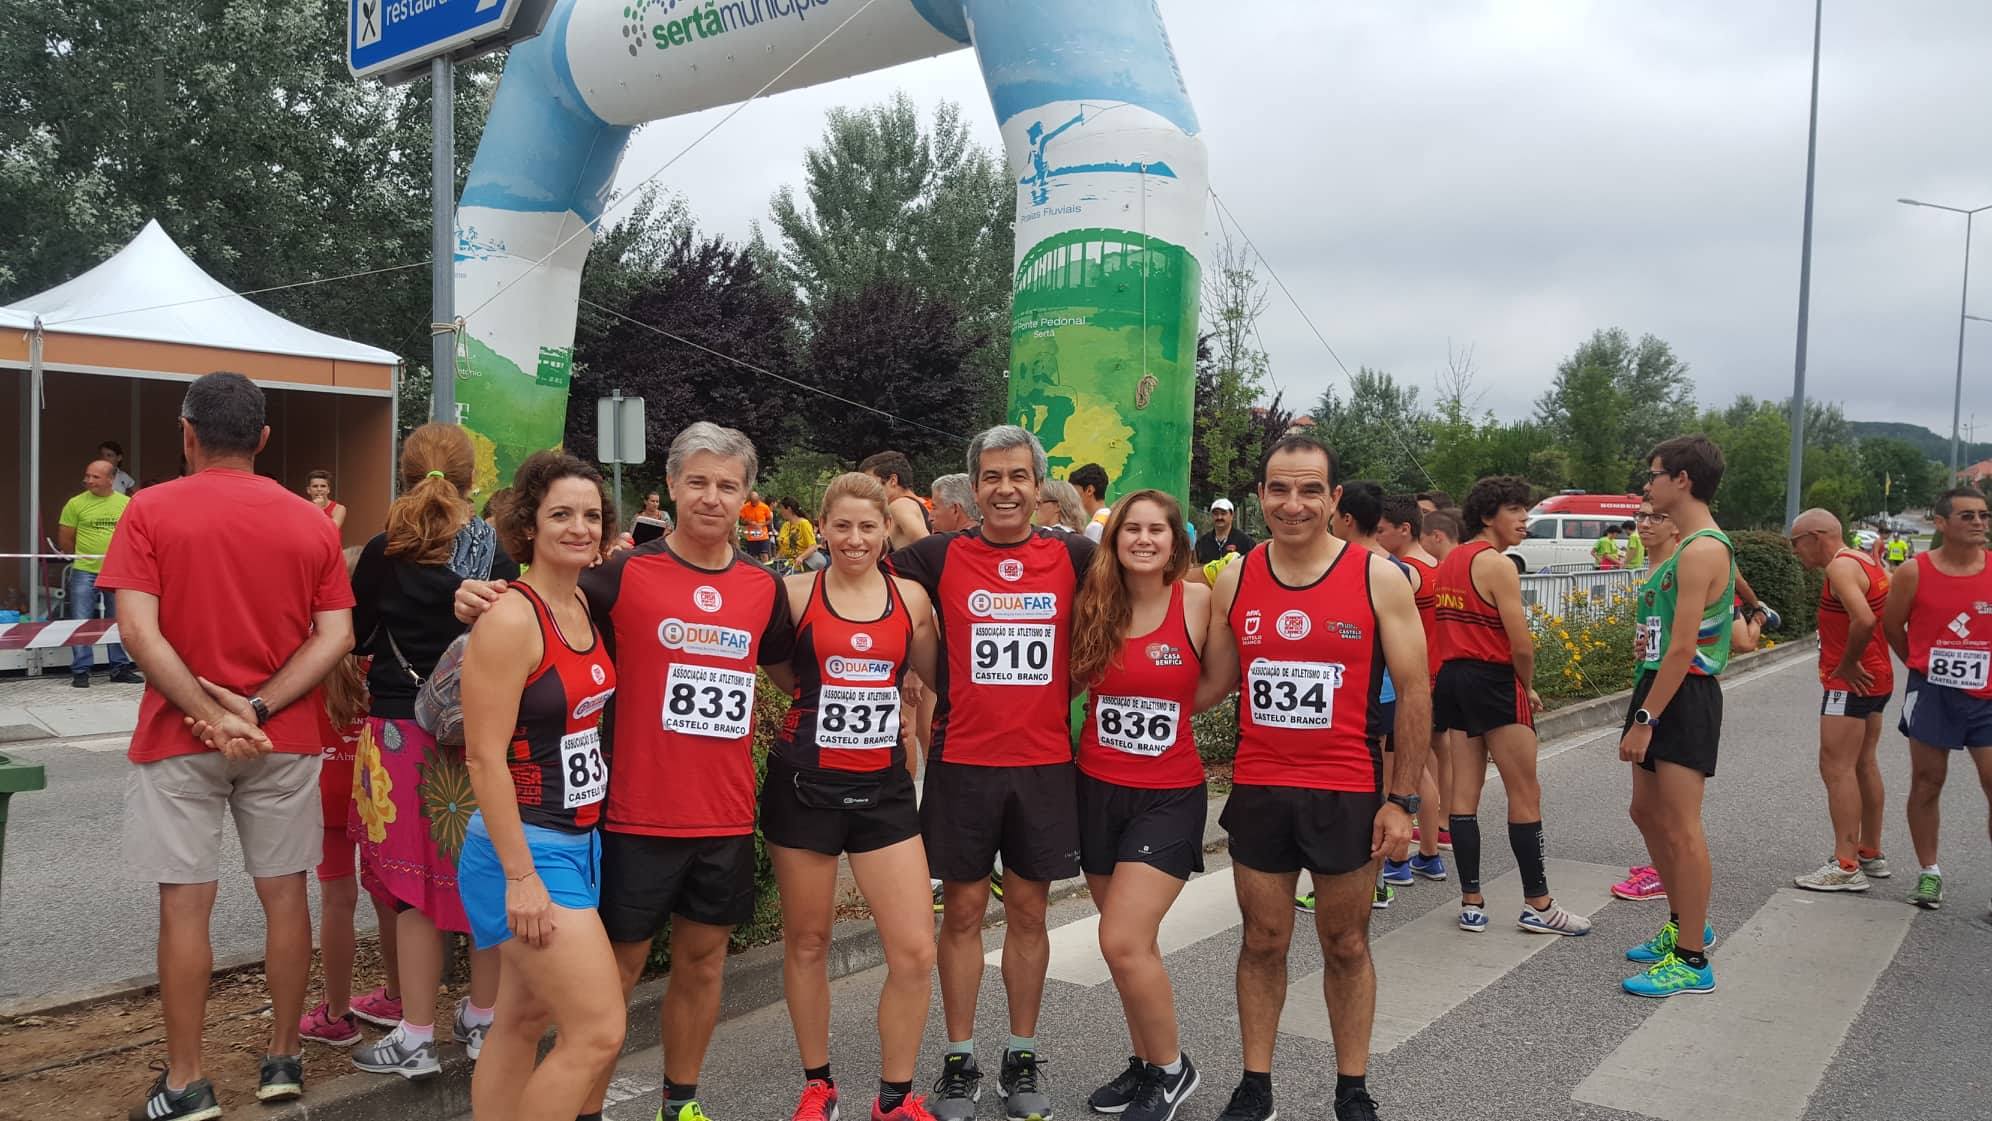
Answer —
1938 620
1858 680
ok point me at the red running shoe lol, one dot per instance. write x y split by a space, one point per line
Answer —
819 1102
914 1108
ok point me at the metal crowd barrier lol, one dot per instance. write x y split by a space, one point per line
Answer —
1554 591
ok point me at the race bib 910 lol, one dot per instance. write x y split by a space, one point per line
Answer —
1956 668
1136 725
706 701
854 718
1011 653
584 776
1293 694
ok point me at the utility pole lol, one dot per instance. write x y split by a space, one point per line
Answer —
1795 471
442 245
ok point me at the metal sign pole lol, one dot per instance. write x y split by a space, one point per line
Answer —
615 411
442 166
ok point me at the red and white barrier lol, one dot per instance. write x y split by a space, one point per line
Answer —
64 632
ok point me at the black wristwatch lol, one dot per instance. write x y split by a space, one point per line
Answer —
1406 802
262 711
1644 717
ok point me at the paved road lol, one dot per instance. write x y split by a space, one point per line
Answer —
1831 1006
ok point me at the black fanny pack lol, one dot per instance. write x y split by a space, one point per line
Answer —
839 790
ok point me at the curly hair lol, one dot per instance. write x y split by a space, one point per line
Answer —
1486 499
519 514
1102 611
436 467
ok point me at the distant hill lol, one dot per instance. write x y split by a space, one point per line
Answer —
1931 444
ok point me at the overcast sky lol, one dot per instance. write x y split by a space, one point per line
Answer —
1513 175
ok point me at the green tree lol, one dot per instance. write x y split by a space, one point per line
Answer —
1231 375
1611 401
1379 432
1755 438
1896 475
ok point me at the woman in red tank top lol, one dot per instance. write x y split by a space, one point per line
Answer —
1138 631
839 783
534 680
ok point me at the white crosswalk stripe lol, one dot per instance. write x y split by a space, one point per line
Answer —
1789 985
1208 906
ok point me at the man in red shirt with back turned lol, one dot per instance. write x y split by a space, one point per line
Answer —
234 631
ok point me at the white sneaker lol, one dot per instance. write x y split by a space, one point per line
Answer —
1832 877
469 1034
1875 867
1553 919
395 1054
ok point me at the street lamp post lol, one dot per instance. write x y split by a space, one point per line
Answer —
1964 294
1795 468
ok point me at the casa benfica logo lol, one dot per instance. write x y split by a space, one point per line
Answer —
1293 625
1163 654
707 598
595 671
861 642
1011 569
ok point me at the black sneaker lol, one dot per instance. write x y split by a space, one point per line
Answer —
957 1089
282 1078
1162 1094
195 1103
1355 1105
1022 1087
1115 1096
127 675
79 680
1250 1102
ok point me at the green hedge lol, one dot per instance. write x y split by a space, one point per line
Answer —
1775 574
1216 731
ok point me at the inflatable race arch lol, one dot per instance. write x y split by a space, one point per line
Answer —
1099 136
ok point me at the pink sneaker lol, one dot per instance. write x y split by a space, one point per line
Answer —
378 1008
320 1026
1445 838
1643 882
819 1102
914 1108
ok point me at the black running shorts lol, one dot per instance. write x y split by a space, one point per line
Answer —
1690 728
1128 824
1840 702
1030 815
1292 829
1477 697
786 819
646 880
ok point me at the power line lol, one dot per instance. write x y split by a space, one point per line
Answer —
744 364
249 292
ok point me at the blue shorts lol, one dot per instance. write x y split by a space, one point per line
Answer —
1939 716
568 864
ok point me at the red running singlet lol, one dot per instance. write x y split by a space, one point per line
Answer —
1950 628
557 762
1427 600
1469 626
1138 720
1834 622
1312 660
846 711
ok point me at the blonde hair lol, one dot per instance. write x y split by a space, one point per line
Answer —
1071 512
437 463
854 484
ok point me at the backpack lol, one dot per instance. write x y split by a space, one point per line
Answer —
439 697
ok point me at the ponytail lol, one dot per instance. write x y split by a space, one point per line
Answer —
437 465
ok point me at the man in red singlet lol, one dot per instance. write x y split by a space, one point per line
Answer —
1315 623
1401 530
910 519
1858 680
1000 779
1939 622
687 617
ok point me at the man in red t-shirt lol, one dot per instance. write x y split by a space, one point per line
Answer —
232 629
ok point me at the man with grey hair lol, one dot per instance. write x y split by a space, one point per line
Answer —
954 504
1000 779
687 618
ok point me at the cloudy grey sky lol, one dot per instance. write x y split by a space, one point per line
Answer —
1512 175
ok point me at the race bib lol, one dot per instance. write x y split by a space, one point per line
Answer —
1651 651
705 701
1011 653
1294 694
1836 703
862 719
1954 668
586 776
1136 725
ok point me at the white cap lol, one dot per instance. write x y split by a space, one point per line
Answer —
1221 504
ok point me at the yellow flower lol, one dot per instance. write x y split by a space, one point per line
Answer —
371 787
1611 620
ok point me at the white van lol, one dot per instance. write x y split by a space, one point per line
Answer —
1562 542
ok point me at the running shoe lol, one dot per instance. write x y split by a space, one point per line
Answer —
996 883
1304 903
469 1034
395 1054
378 1008
1161 1094
1875 867
1472 918
1021 1085
940 899
1929 893
1641 882
1772 620
1670 976
957 1089
1431 867
819 1102
1553 919
320 1026
195 1103
1832 877
1445 837
1250 1102
1383 897
1657 948
281 1078
914 1108
1355 1105
690 1111
1115 1096
1397 872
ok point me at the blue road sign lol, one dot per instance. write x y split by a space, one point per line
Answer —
385 36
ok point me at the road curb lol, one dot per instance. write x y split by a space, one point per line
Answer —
1608 710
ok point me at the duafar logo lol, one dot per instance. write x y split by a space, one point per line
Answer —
675 23
1013 605
704 638
589 706
858 669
